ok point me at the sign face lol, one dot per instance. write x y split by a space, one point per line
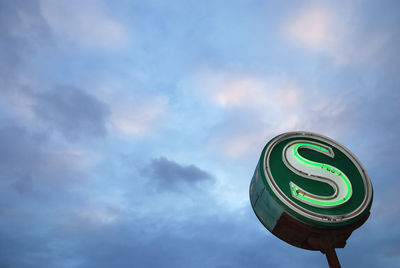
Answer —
312 179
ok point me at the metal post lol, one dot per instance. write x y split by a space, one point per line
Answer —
332 258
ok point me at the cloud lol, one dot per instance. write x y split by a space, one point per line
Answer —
20 152
133 112
313 27
95 216
236 136
254 107
170 175
34 166
233 89
21 31
85 23
136 116
231 240
71 111
336 31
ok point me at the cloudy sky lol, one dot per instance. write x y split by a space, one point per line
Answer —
130 130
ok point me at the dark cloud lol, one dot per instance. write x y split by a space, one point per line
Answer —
22 33
24 37
72 111
170 175
31 165
20 151
33 180
223 240
373 245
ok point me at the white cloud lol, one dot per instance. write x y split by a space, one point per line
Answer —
234 90
335 31
240 143
248 135
312 27
83 22
133 112
135 116
256 107
238 92
96 215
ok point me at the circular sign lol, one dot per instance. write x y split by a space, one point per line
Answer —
313 180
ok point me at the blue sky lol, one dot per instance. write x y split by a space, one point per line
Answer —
129 130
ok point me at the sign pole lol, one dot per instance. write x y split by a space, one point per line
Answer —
332 258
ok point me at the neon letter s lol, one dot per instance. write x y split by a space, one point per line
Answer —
316 171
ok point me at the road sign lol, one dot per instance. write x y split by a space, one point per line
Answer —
310 191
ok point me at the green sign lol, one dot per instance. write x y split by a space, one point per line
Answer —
311 178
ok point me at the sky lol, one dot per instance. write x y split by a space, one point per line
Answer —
130 130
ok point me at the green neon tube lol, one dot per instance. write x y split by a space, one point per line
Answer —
325 166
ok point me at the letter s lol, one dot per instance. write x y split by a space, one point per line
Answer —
319 172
